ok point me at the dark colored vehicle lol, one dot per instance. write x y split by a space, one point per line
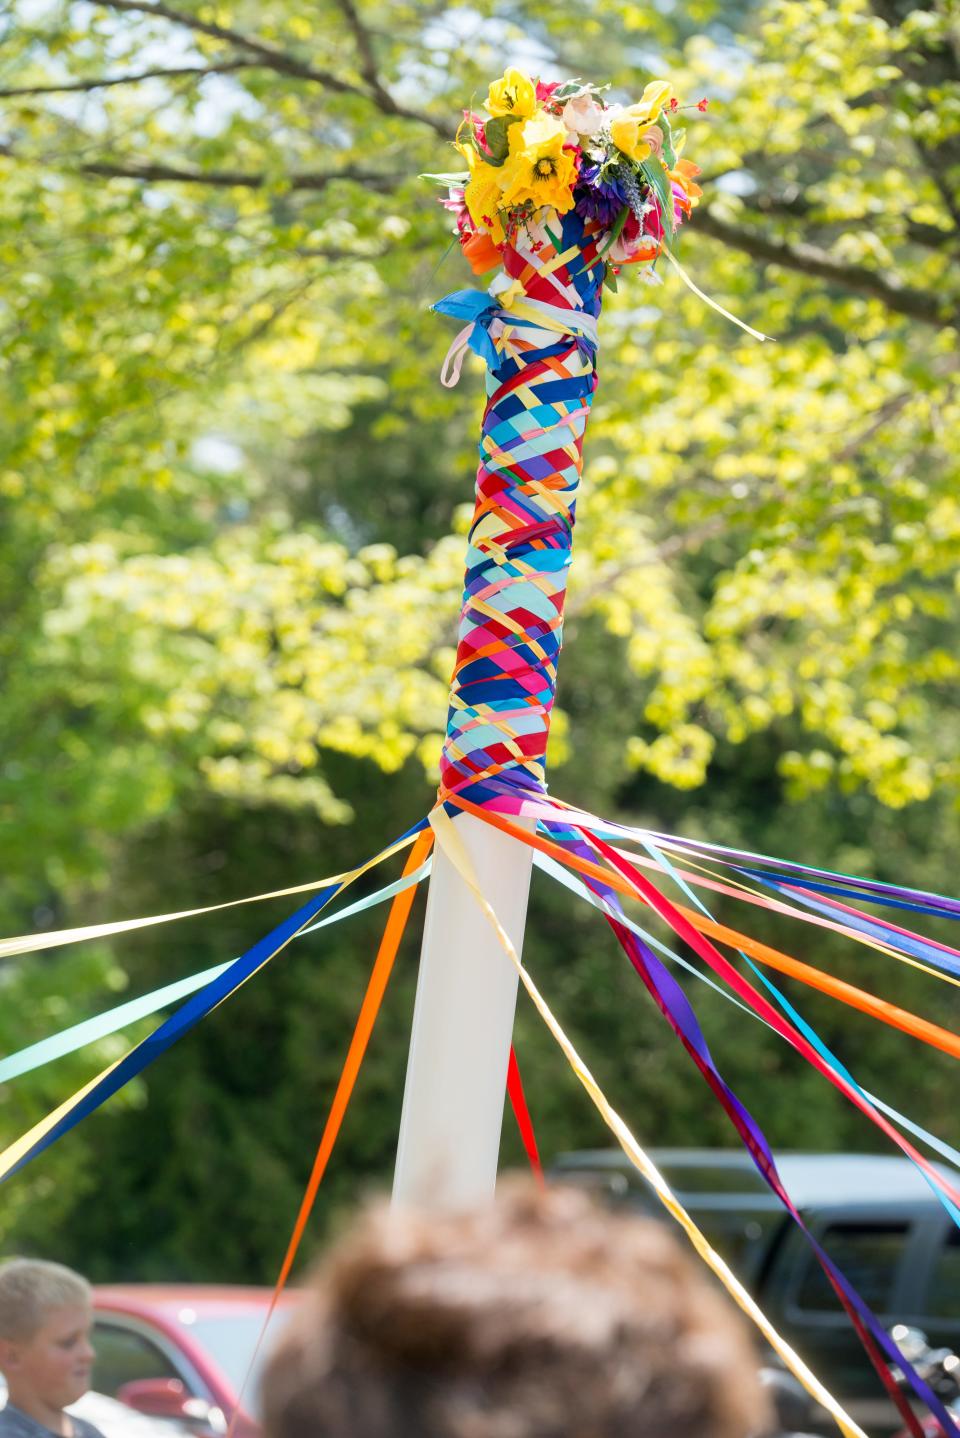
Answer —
183 1351
876 1217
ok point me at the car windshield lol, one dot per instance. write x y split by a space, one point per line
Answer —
230 1339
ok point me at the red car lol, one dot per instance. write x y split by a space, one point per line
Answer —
183 1351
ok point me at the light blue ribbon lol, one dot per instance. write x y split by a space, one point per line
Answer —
478 308
808 1031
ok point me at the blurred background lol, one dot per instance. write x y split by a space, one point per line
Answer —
233 498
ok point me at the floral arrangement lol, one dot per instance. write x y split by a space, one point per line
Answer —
563 147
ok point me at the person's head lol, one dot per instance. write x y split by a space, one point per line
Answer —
540 1316
45 1321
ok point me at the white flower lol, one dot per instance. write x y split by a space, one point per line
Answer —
583 116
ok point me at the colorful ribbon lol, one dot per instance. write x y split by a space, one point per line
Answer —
369 1009
113 1078
676 1008
563 876
453 847
90 1031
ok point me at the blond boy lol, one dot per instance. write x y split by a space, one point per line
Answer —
45 1355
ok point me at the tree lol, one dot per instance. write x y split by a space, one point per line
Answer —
771 531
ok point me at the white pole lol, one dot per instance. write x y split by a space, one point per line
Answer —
462 1026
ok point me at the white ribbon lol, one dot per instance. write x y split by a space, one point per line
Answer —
453 363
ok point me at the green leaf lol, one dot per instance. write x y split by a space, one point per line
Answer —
452 178
617 230
496 133
669 153
653 173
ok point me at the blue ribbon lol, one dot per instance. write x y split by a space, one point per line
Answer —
480 307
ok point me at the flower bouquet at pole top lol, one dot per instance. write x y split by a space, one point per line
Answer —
561 190
561 147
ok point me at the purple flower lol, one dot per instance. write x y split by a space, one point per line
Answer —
596 199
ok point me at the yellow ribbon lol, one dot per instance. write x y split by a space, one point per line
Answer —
515 302
757 334
512 293
783 906
32 943
450 842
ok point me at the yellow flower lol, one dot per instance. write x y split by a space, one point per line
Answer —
630 127
483 197
653 99
515 94
544 132
627 132
538 167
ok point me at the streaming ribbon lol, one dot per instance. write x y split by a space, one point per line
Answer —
674 1005
449 840
91 1031
111 1079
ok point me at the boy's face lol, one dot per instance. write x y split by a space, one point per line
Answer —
54 1364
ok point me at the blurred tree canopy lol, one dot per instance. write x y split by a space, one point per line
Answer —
232 499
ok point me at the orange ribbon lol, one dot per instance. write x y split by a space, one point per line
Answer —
369 1009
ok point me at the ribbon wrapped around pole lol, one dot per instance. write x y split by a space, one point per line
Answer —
537 331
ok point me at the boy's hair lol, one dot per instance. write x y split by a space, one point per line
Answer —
539 1316
29 1289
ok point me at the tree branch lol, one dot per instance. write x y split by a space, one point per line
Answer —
939 163
287 299
369 69
934 69
663 552
315 180
364 43
810 260
104 82
273 57
882 416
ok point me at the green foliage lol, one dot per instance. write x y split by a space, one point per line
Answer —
232 503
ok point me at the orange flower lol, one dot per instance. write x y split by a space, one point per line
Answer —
683 172
646 252
482 254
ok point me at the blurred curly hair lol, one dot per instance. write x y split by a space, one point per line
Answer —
540 1316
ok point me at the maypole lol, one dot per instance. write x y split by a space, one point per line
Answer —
536 328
